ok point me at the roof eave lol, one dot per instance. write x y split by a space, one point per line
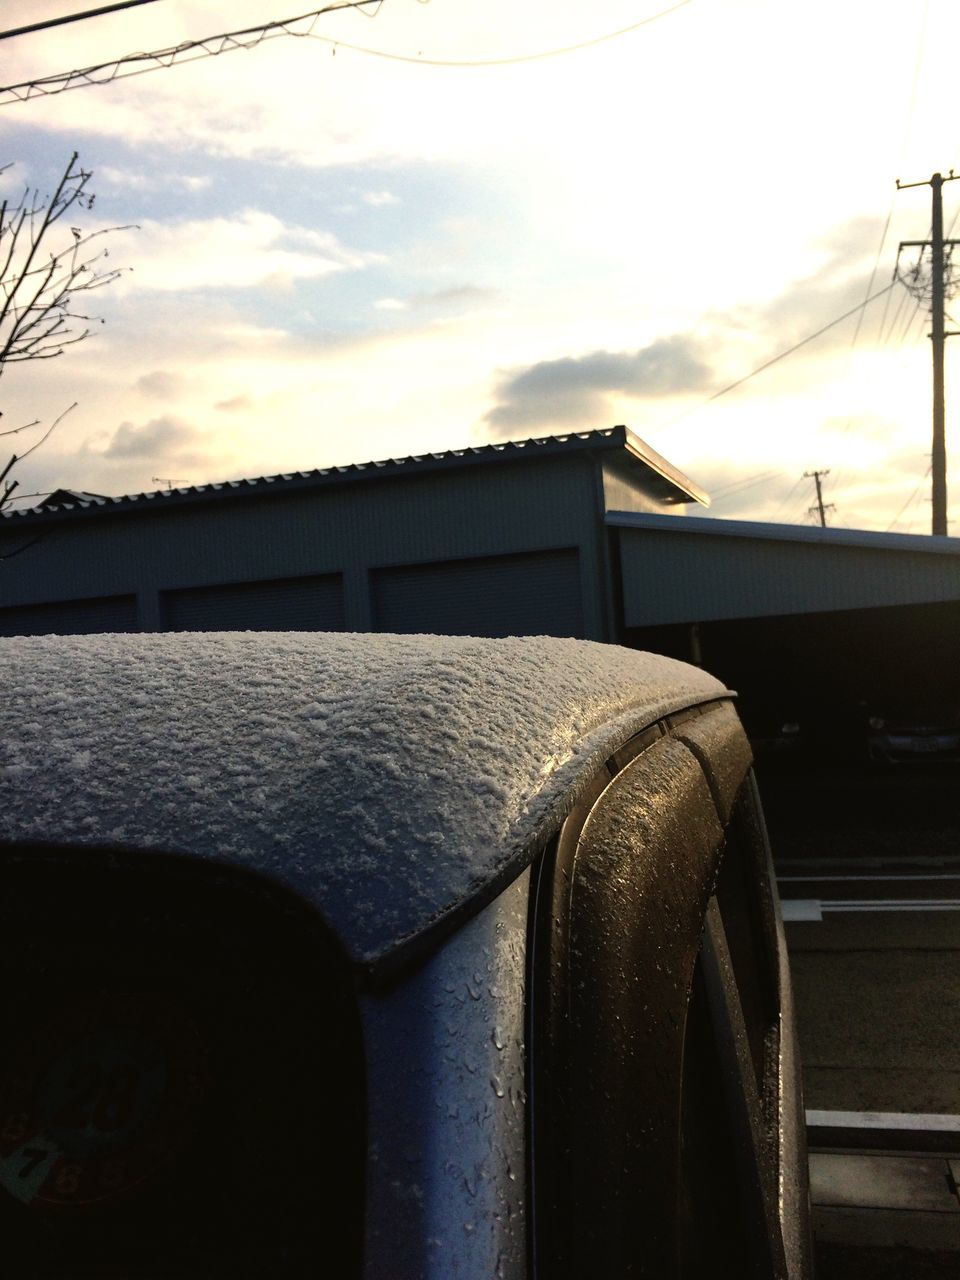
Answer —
681 488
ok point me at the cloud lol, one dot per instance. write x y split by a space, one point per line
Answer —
378 199
161 383
157 439
242 251
234 403
839 283
458 296
137 181
461 299
127 459
574 390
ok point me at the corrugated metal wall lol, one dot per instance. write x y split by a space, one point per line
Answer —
533 594
313 603
356 532
70 617
686 576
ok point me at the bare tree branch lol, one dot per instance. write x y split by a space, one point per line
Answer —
49 431
44 272
13 431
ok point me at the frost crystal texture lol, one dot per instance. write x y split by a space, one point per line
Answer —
384 778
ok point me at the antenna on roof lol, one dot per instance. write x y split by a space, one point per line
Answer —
167 481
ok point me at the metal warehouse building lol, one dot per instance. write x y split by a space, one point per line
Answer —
578 535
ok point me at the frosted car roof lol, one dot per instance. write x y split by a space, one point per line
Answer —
384 779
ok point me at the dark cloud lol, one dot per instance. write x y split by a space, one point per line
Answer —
460 295
234 403
159 438
124 462
573 391
161 383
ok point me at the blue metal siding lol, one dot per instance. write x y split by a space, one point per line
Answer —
70 617
345 530
313 603
687 576
533 594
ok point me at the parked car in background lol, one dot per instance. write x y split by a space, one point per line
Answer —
390 957
914 736
776 739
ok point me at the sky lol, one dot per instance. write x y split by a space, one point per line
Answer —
337 256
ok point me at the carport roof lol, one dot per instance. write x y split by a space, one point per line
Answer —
681 570
698 524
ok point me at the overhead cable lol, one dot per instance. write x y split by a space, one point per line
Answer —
736 487
516 58
135 64
896 519
797 345
72 17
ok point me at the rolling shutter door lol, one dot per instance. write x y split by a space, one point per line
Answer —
531 594
71 617
312 603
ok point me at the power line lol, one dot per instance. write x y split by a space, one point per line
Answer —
510 61
736 487
910 500
797 345
72 17
910 323
782 355
787 500
187 51
885 338
136 64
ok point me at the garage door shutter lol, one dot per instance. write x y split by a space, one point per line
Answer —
70 617
312 603
532 594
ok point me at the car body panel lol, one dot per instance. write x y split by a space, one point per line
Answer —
447 1124
460 756
526 859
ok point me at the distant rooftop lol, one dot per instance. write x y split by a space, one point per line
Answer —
673 485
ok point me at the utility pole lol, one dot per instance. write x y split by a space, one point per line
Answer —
818 505
938 334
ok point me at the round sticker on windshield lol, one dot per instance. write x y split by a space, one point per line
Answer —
97 1099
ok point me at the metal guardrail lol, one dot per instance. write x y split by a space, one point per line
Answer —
817 908
885 1178
884 1131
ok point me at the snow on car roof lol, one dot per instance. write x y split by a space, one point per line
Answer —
385 779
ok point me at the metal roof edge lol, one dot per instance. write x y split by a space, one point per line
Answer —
656 462
927 543
297 481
